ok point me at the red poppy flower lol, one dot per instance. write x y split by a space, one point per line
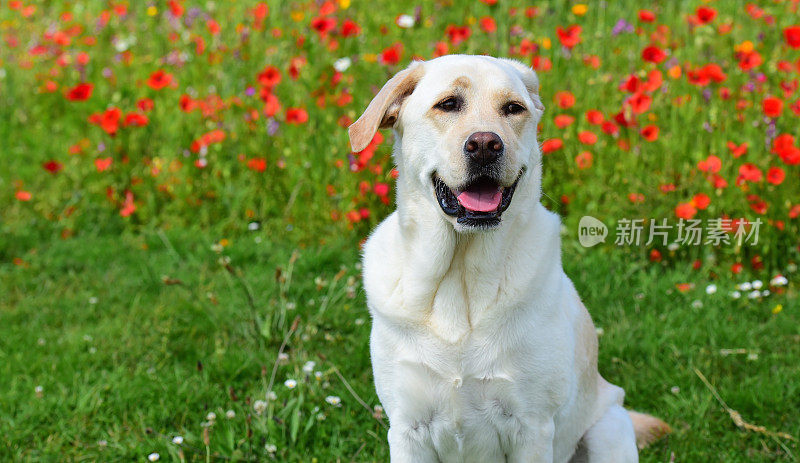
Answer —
587 138
655 255
563 121
107 120
323 25
564 99
639 102
381 189
457 34
653 54
269 77
584 160
128 207
711 164
551 145
296 116
775 175
53 166
488 24
159 80
103 164
594 117
257 164
350 28
570 36
790 155
80 92
772 106
609 128
701 201
272 105
705 14
739 150
792 36
136 119
685 211
145 104
391 55
23 195
650 133
749 60
749 172
646 16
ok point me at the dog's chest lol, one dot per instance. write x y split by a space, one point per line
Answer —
475 398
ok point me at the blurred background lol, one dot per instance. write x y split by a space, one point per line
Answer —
182 215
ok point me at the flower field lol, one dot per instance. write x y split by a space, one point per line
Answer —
191 157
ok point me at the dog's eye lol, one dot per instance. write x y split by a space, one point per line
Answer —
513 108
449 104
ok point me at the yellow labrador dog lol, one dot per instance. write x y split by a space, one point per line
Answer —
481 348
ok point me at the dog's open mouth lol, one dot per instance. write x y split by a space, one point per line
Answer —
479 203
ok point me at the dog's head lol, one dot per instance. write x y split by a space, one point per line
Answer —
465 133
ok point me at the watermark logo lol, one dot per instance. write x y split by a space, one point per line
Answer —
692 232
591 231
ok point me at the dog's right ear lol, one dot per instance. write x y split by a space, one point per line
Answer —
384 109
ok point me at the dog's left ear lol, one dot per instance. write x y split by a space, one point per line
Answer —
529 78
384 109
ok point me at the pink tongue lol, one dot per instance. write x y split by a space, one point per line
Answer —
481 201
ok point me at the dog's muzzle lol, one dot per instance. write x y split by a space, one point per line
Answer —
479 203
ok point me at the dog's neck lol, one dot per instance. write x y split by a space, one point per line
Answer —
452 281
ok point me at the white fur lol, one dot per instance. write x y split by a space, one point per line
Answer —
481 348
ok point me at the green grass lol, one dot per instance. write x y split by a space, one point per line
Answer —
134 340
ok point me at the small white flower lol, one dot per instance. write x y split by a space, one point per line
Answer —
675 390
216 247
711 289
736 294
765 293
93 300
177 440
260 406
673 246
308 368
342 64
290 383
791 268
754 294
102 443
318 375
746 286
697 304
405 21
336 401
291 305
752 356
271 448
253 226
756 284
271 395
38 390
359 321
211 416
600 331
154 457
779 280
283 357
230 414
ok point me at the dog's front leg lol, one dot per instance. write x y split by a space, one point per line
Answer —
411 445
535 444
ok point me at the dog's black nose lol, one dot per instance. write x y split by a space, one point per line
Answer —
483 148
